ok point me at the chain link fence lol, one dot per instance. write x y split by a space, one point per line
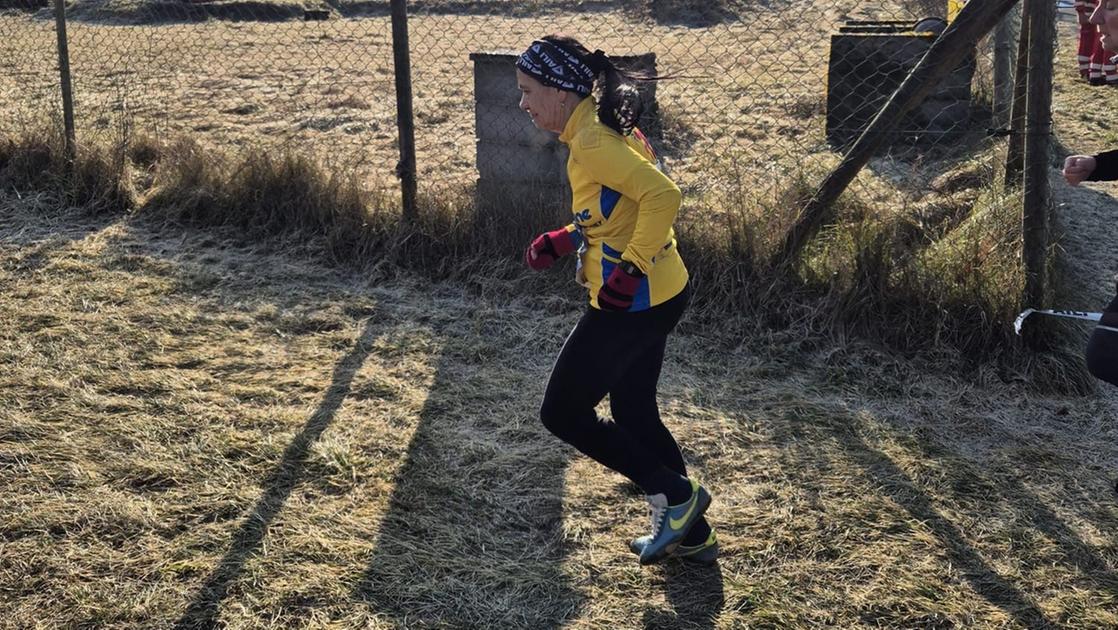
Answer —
748 99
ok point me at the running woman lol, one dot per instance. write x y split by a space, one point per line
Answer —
623 207
1102 348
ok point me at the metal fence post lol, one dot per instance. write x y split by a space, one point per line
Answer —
405 119
64 71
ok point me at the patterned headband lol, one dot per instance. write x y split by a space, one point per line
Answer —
557 67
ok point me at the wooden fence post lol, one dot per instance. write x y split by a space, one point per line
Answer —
64 71
405 119
1015 152
1038 128
1004 37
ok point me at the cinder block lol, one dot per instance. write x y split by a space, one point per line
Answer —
518 162
866 68
510 148
495 78
509 124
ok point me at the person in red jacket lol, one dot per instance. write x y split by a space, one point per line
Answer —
1096 63
623 210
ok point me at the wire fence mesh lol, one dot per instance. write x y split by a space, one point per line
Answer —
752 99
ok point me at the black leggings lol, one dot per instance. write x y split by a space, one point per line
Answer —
1102 348
619 354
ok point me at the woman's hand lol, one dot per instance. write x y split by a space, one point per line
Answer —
620 287
549 247
1078 168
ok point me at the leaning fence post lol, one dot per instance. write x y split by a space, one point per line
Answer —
973 22
64 71
1038 126
405 170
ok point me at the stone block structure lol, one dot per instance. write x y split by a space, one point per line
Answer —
515 158
868 61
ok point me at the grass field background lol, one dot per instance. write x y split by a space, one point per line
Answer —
202 428
749 91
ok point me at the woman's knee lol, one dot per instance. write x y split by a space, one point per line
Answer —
555 416
569 420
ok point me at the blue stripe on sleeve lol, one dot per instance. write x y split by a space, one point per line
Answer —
609 199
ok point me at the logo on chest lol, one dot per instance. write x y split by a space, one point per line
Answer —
583 219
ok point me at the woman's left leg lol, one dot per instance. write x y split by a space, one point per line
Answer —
598 352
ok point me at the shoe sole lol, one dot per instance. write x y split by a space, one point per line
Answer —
704 503
706 555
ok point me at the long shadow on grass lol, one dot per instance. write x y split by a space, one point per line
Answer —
836 425
471 537
1032 510
1076 552
39 239
696 595
202 612
982 577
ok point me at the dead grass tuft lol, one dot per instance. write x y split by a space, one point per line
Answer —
95 180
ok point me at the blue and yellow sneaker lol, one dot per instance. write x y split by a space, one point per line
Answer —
702 553
670 523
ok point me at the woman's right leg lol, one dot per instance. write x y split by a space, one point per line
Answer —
633 406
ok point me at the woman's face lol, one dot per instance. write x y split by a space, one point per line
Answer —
546 105
1105 16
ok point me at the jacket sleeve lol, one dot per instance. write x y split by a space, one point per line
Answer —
1106 167
617 165
575 234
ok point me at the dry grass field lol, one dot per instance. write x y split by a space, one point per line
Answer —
200 433
750 91
199 429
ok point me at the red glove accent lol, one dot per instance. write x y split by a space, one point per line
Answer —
620 287
548 247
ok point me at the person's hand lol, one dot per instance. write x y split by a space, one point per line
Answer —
1078 168
620 287
548 247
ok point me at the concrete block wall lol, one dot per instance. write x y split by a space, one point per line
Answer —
515 158
864 70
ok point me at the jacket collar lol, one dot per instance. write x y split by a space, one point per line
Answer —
583 114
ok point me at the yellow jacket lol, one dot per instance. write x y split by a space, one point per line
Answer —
623 206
